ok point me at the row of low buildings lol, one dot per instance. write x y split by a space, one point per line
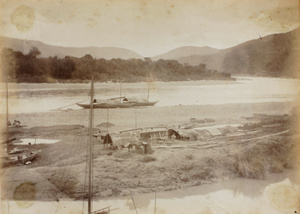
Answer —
157 135
195 130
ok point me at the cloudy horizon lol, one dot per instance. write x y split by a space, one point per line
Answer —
149 28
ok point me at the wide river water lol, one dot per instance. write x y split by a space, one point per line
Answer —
239 195
28 97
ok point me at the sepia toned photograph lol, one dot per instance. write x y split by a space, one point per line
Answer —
150 107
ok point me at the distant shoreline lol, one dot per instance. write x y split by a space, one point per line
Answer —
232 78
116 81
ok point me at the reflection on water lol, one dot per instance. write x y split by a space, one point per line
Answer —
26 98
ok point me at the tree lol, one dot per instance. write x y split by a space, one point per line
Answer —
9 64
34 52
84 67
30 68
62 68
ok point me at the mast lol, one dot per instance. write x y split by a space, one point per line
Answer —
148 90
90 148
7 131
120 91
107 121
135 121
155 202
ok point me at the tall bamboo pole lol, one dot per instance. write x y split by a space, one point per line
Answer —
90 148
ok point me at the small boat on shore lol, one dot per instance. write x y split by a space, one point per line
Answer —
22 158
16 150
16 155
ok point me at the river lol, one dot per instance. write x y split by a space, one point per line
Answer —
29 97
239 195
279 193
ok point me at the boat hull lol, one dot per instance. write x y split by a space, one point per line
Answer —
118 102
136 101
16 151
145 103
95 105
30 156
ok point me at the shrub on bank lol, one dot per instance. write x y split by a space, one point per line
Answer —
273 155
250 163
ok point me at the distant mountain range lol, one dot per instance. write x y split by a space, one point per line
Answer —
185 52
273 55
50 50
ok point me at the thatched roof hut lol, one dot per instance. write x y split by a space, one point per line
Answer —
156 133
121 139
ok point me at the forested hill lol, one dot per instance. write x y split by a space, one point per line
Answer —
274 55
19 67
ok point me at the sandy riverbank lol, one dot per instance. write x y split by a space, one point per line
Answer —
129 118
62 169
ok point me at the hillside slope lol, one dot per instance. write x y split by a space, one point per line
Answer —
50 50
186 51
273 55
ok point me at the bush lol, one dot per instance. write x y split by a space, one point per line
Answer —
250 163
273 154
276 167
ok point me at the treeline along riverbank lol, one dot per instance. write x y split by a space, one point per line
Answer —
19 67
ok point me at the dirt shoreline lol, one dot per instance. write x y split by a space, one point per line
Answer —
62 170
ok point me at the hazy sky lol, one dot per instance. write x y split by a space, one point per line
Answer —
148 27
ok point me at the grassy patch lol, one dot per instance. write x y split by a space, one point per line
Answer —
206 174
250 163
276 167
281 152
123 154
64 179
147 159
187 167
273 154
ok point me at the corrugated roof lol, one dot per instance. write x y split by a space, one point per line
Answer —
214 131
